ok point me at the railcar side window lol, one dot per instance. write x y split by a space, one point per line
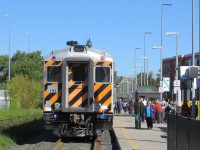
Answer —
54 74
78 73
102 74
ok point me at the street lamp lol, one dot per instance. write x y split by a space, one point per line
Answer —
178 95
140 74
162 21
146 59
135 66
145 55
175 33
8 52
160 47
29 40
193 63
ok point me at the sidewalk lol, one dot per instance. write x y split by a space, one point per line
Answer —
130 138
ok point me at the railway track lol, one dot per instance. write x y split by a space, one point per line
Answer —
47 141
64 143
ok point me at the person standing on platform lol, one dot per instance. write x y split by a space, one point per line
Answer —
195 111
185 110
144 101
160 112
119 105
139 111
150 114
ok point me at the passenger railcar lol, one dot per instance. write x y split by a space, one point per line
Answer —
78 91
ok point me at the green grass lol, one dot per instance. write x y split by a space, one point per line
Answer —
30 119
11 113
6 142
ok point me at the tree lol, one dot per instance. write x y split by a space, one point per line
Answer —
27 64
3 68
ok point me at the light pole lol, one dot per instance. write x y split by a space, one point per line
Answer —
178 93
175 33
140 74
8 52
161 45
145 55
135 66
160 48
29 40
193 63
146 59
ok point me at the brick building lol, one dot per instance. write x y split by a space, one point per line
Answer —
169 70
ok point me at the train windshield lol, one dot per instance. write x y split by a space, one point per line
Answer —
102 74
54 74
78 73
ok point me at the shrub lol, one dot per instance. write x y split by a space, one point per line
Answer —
25 93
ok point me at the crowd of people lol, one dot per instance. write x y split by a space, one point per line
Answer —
154 111
123 104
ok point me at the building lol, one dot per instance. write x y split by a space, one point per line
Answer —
169 70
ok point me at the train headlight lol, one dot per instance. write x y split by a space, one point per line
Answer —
104 107
57 105
98 106
55 116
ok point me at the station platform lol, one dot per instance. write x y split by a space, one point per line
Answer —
129 138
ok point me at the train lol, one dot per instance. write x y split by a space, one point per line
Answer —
78 91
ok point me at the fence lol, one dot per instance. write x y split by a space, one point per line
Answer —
4 99
183 133
4 104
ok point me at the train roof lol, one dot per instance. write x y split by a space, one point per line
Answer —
64 53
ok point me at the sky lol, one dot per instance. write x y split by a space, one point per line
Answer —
114 26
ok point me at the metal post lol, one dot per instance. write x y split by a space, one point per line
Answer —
145 56
9 45
141 75
135 66
147 72
178 93
29 40
193 62
161 44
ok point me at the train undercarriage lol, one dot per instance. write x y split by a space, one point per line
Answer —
77 124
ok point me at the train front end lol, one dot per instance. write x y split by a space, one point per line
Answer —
78 92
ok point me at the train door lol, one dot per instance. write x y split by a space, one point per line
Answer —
77 84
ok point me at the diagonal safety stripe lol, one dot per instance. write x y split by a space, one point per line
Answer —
106 100
46 92
55 97
127 136
102 91
109 109
106 63
73 87
78 95
81 100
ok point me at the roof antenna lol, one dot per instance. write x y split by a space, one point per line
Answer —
89 43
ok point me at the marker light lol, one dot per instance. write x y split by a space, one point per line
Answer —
102 58
53 58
